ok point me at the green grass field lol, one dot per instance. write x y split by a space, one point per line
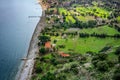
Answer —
82 45
86 18
100 30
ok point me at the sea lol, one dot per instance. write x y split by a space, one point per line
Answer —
18 19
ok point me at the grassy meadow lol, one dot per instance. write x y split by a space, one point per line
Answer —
83 45
101 30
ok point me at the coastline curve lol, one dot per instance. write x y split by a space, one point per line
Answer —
25 72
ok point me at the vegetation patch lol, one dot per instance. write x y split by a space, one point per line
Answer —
100 30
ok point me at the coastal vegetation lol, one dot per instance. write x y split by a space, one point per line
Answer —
81 41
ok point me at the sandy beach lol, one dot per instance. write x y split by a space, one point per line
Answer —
27 67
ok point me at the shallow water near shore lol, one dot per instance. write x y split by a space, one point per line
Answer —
18 19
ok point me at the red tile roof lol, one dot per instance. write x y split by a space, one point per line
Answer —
48 45
64 55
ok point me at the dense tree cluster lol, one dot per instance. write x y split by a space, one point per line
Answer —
43 39
98 35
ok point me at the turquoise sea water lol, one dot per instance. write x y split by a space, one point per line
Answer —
16 29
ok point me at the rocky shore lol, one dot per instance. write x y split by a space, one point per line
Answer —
27 67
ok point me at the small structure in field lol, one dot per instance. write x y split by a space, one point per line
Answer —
48 45
62 54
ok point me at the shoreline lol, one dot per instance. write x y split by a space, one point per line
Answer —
25 73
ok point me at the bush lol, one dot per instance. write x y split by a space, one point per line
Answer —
42 50
38 68
75 71
61 77
102 56
105 49
74 66
119 58
111 63
94 62
55 41
102 66
116 75
54 62
42 59
48 76
70 60
117 51
99 58
61 46
90 52
44 39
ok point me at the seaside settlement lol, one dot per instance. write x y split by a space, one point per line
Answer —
80 41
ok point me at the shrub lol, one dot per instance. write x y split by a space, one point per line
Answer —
38 68
98 57
39 43
111 63
94 62
102 66
119 58
75 71
105 49
102 56
61 77
44 39
83 59
42 59
116 75
48 76
55 41
53 61
61 46
66 70
90 52
117 51
70 60
74 65
42 50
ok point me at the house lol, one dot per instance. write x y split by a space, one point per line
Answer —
48 45
64 55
